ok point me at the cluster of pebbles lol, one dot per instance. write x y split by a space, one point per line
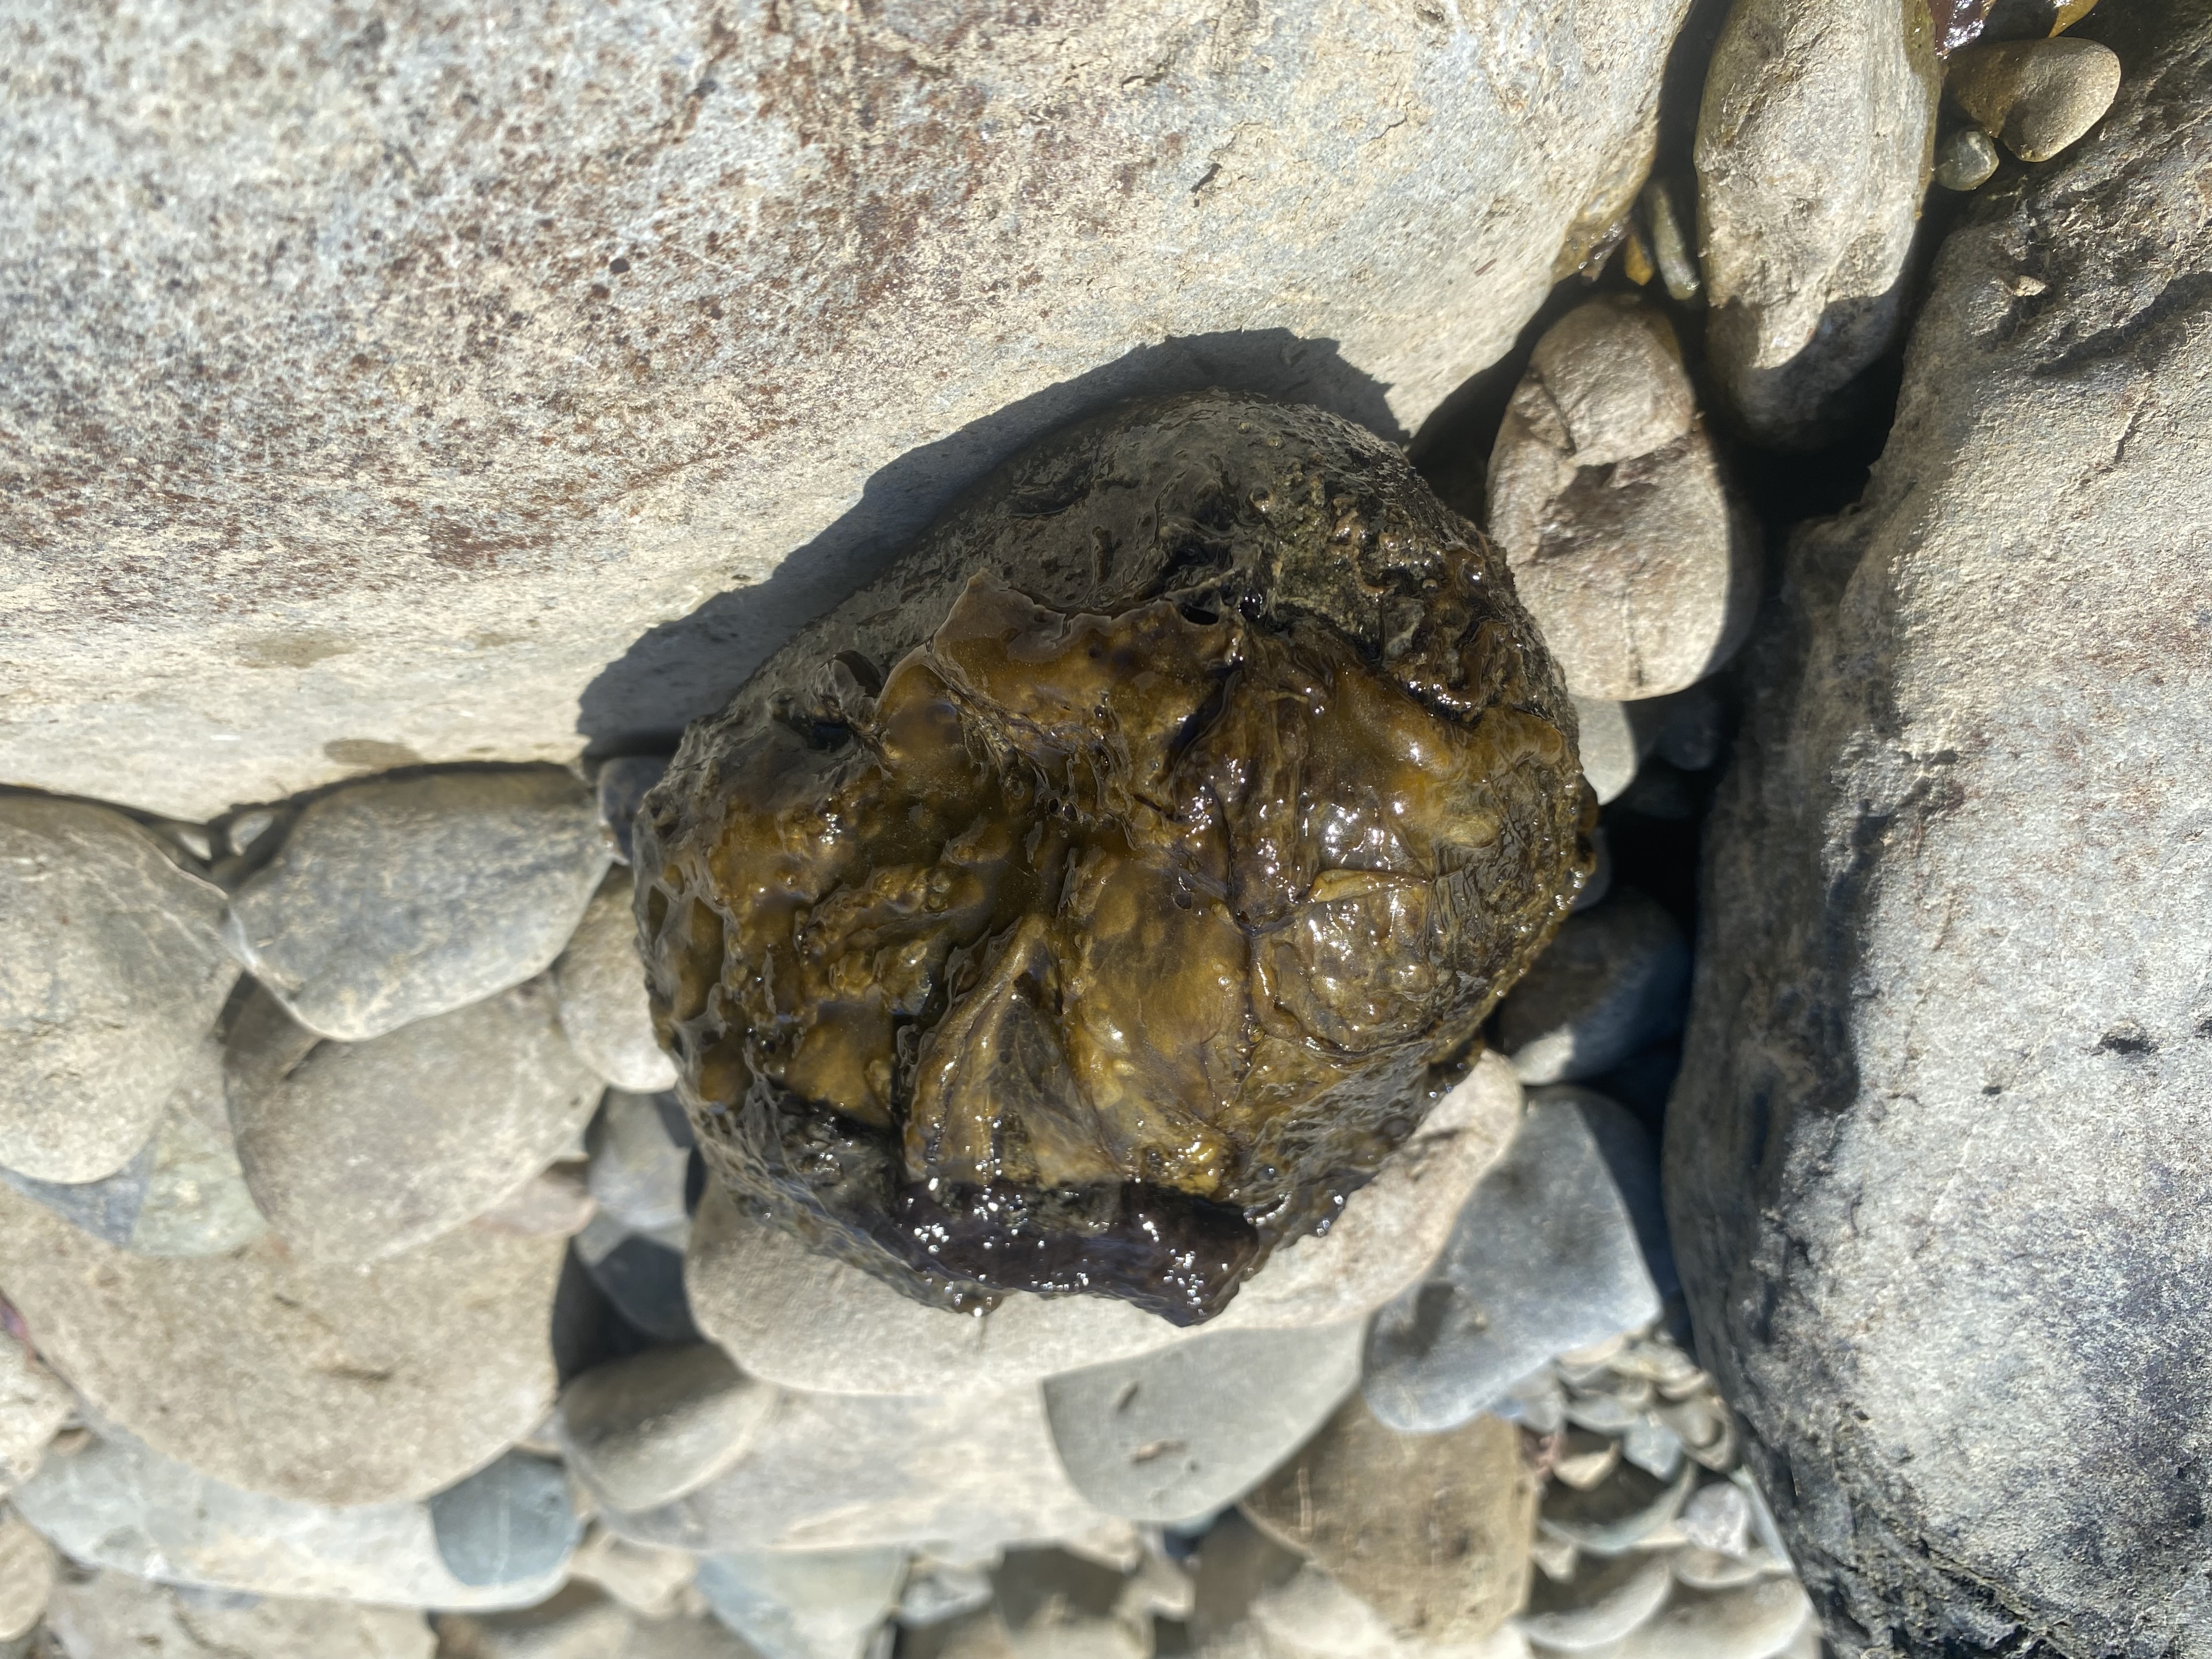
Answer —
365 1295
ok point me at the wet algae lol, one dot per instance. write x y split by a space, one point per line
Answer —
1096 899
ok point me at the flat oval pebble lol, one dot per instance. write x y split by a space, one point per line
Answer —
392 901
111 1615
807 1319
643 1432
964 1473
1604 1601
2037 96
603 1003
511 1520
1173 1436
120 1505
1754 1622
111 972
360 1151
330 1383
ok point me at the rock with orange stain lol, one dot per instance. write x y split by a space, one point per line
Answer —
1097 899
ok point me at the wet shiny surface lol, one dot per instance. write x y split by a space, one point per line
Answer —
1122 921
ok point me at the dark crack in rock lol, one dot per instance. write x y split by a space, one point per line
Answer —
1096 899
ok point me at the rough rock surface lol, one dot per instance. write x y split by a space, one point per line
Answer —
34 1404
1089 905
1935 1162
117 1504
1814 143
807 1320
1607 497
111 972
333 1383
405 897
27 1576
357 1151
602 985
497 367
111 1615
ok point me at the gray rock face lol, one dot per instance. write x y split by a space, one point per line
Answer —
1814 143
604 423
111 1615
1175 1434
360 1151
643 1432
331 1383
800 1606
118 1505
1607 497
602 986
112 971
1612 982
1544 1259
397 900
1935 1162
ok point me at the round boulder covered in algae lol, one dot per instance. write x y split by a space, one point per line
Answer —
1098 899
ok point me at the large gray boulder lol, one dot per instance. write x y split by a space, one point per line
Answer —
1936 1162
385 380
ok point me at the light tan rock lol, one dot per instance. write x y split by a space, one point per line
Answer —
335 1384
791 1315
448 475
647 1579
1815 144
34 1406
1430 1530
359 1151
27 1576
577 1622
602 986
2037 96
112 971
111 1615
1607 497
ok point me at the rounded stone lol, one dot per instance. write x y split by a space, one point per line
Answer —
511 1520
1615 981
1607 497
2039 96
111 972
1093 900
1965 159
395 900
639 1163
1171 1437
643 1432
808 1320
360 1151
331 1383
602 986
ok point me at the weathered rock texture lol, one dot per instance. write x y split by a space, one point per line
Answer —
1097 900
370 403
1936 1161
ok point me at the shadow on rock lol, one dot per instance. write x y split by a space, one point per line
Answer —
641 702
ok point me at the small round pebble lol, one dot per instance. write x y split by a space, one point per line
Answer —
2039 96
1965 159
509 1522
